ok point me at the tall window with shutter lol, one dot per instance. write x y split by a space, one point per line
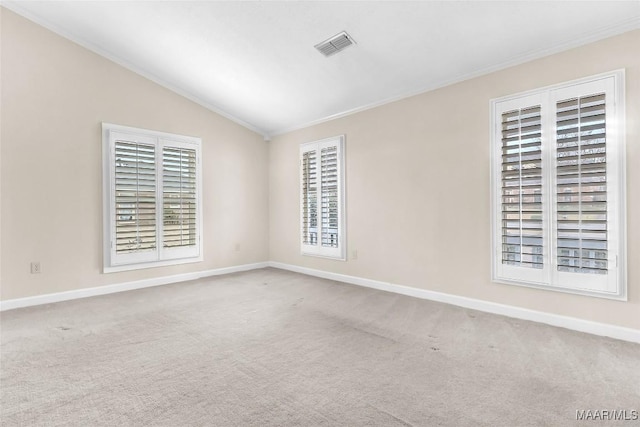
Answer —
322 198
151 198
558 187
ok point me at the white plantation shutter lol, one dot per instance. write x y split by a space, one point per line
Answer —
329 196
179 197
151 197
558 188
309 198
581 187
522 203
134 204
135 197
322 198
520 193
588 159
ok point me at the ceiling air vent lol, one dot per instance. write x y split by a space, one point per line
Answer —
335 44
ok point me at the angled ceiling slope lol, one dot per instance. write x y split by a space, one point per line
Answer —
256 62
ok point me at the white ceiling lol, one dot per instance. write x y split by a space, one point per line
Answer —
255 62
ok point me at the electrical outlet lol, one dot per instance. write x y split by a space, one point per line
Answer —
237 247
354 254
35 268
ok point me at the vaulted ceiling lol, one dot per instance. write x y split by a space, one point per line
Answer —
255 62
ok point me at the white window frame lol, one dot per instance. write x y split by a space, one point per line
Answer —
161 256
339 252
612 285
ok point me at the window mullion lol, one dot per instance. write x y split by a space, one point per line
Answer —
137 201
319 205
181 199
549 210
159 198
520 190
580 232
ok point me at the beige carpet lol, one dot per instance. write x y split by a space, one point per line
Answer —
274 348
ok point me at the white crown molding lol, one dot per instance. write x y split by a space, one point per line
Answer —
122 287
619 28
606 32
580 325
15 7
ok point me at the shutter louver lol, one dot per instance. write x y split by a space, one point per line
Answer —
521 188
309 198
179 197
135 197
582 185
329 197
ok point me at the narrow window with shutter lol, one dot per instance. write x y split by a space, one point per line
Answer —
151 197
558 187
322 198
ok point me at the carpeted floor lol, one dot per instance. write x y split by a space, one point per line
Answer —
275 348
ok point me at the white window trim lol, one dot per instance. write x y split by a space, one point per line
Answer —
164 256
339 253
616 181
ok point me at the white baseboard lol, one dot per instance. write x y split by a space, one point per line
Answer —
121 287
581 325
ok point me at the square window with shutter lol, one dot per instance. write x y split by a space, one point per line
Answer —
322 198
558 187
151 197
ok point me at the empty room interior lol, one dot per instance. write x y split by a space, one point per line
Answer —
366 213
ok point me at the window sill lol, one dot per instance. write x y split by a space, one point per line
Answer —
335 258
601 294
140 266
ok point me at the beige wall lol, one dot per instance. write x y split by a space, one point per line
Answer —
417 179
55 94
